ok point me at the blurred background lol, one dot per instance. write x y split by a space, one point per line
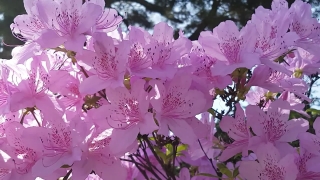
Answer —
191 16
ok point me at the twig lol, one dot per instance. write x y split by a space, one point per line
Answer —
35 118
138 166
149 162
215 169
157 157
23 116
67 175
174 149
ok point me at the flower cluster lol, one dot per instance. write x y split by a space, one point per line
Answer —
83 99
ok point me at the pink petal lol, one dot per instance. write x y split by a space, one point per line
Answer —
90 13
294 128
50 39
290 167
316 126
232 150
183 130
92 85
249 170
119 135
163 32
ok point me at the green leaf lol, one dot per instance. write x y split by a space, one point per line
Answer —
169 149
236 172
207 175
224 170
313 112
180 148
295 115
161 154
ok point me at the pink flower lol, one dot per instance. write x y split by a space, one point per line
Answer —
273 39
238 130
34 88
69 21
109 64
108 20
67 86
232 48
61 145
175 104
305 26
30 26
201 65
270 166
132 170
295 102
93 177
308 165
97 157
6 166
274 126
311 142
128 114
165 52
139 63
23 149
205 130
303 62
258 96
204 166
276 81
7 88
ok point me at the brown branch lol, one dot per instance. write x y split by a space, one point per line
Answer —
164 11
205 22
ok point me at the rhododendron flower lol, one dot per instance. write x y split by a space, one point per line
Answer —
238 130
22 149
139 63
97 157
6 89
302 62
128 114
67 86
109 65
310 141
69 23
201 67
165 52
259 96
306 163
61 146
307 27
274 126
273 39
232 48
276 81
34 87
270 166
174 104
108 20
